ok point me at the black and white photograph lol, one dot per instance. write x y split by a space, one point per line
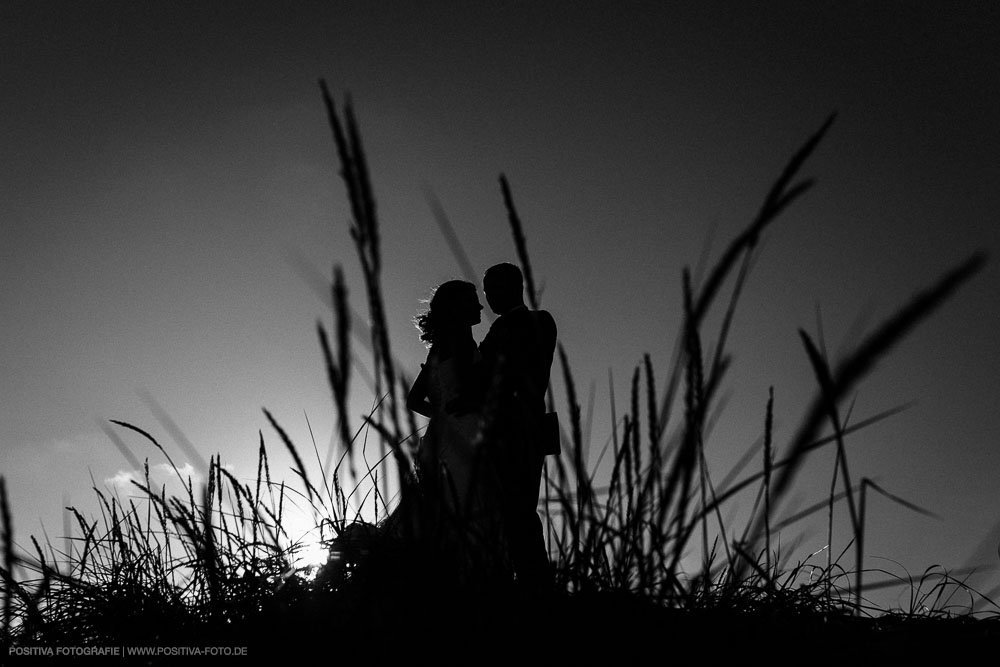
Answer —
498 331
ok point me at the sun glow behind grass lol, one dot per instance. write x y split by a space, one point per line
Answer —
308 545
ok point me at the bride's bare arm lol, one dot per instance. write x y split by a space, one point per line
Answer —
416 399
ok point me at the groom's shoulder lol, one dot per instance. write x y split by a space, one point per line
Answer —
541 312
544 319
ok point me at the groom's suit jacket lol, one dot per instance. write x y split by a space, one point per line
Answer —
516 359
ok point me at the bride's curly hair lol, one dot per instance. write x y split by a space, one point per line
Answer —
443 311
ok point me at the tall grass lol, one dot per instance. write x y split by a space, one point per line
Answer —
215 564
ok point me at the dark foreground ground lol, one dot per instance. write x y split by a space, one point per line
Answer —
514 628
400 611
618 630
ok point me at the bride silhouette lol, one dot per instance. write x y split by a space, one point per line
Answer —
443 391
442 520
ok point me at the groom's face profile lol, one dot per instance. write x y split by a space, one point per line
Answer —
491 299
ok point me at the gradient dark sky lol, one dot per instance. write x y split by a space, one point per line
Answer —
163 162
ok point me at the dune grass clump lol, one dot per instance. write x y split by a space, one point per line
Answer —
214 565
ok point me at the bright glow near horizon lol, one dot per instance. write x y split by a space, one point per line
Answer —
309 550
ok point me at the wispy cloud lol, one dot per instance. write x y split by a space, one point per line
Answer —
122 480
160 475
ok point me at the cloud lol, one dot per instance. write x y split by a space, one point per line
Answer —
160 475
165 472
122 480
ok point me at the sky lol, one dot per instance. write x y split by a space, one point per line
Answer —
169 195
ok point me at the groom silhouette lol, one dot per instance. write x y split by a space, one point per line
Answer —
516 356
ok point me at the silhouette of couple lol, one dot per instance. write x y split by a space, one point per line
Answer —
488 432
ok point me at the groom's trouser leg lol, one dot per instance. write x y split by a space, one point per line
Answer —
526 536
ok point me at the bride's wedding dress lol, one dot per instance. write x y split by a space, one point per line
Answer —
450 445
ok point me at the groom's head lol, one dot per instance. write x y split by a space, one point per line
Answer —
504 287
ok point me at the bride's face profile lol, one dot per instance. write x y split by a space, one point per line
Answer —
472 309
454 306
